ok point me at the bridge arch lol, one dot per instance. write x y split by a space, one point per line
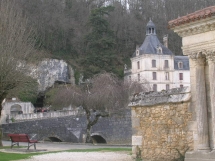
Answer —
53 138
98 138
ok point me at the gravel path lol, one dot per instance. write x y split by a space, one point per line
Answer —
83 156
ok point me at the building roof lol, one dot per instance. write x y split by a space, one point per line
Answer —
152 43
195 16
184 60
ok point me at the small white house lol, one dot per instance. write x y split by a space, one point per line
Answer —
12 107
155 63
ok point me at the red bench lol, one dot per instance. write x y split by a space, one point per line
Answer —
16 138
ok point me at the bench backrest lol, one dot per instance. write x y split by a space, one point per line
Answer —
19 137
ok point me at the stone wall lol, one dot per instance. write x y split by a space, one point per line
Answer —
162 124
115 130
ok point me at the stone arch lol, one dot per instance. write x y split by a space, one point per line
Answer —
98 138
53 138
16 109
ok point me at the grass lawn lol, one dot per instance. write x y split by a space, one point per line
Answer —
16 156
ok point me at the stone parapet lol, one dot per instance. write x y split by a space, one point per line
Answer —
44 115
174 95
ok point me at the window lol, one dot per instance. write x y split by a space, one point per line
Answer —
167 86
153 63
180 65
154 75
159 50
155 87
180 76
138 77
181 86
166 64
138 65
167 76
137 52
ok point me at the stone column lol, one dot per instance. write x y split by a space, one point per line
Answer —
201 104
211 63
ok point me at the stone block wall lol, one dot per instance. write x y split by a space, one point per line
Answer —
162 128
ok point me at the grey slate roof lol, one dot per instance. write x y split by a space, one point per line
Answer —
151 43
184 60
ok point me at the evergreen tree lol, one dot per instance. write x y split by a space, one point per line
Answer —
100 43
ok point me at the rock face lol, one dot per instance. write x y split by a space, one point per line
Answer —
49 71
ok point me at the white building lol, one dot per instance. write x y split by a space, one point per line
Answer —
12 107
155 63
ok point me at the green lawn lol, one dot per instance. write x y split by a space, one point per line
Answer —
15 156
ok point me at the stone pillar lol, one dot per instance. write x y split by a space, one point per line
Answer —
201 104
211 63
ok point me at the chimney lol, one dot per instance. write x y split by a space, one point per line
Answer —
165 41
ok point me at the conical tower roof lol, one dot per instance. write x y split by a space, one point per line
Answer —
151 44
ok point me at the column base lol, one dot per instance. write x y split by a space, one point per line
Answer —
204 148
200 156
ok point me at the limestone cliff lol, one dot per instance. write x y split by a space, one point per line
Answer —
49 71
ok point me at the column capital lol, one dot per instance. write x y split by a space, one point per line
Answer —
198 57
210 56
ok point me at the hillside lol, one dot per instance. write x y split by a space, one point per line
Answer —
93 37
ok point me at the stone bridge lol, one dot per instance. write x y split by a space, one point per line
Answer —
114 130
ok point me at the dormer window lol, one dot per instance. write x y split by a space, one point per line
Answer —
180 65
159 50
137 53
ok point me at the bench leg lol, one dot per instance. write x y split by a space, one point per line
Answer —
14 143
30 144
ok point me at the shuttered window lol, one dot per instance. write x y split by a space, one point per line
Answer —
154 75
153 63
138 65
166 64
155 87
181 76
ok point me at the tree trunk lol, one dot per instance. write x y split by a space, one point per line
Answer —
2 97
90 124
88 137
1 145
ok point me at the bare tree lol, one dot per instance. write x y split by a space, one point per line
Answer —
16 44
102 96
